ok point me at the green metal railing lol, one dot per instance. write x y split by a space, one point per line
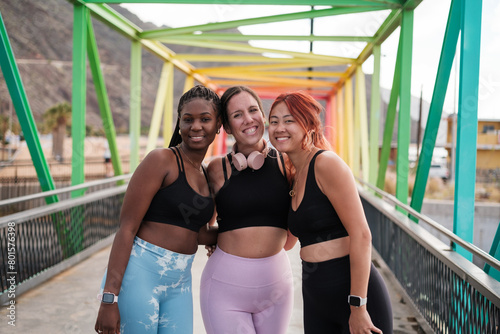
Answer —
452 294
37 244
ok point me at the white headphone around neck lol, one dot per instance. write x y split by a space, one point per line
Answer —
255 160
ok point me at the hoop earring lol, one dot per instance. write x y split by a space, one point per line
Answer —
179 132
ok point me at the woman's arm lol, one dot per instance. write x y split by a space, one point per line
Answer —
336 181
208 233
291 240
145 182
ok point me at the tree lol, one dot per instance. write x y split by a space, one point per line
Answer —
55 120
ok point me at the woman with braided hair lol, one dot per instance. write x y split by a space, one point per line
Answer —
167 205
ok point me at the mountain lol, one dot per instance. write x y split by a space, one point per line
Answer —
40 33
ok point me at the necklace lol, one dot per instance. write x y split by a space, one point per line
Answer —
292 192
189 160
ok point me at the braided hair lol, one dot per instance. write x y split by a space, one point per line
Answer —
197 92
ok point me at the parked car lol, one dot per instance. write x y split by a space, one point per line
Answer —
440 171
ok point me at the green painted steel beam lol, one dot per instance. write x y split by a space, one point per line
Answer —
448 51
23 111
111 18
102 98
375 116
240 37
159 34
79 96
240 47
135 103
117 22
495 252
465 178
391 3
390 24
404 117
389 120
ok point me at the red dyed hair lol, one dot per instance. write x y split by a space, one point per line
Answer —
305 110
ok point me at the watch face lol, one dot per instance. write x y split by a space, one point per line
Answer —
355 301
108 298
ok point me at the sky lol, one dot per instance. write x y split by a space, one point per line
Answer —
430 20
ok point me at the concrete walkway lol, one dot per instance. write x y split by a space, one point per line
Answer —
67 302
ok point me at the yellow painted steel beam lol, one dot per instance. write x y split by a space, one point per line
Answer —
135 102
169 107
232 58
296 82
265 67
356 145
161 95
252 83
348 123
340 135
188 83
363 122
239 47
320 74
264 74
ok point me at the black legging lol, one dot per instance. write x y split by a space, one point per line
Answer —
325 287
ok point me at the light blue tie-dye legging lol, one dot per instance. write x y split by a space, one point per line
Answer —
155 295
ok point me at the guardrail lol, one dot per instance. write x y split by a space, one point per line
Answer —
452 294
39 243
18 201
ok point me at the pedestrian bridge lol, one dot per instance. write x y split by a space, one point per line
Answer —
433 288
449 293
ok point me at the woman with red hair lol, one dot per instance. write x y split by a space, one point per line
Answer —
342 290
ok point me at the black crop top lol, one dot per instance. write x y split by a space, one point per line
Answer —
315 219
178 204
253 197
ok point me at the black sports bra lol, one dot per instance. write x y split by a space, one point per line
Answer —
315 219
178 204
253 197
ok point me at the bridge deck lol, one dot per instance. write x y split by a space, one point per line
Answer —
67 303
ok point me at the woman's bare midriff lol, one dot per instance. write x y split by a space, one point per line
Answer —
174 238
325 250
253 242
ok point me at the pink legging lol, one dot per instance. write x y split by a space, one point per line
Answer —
246 296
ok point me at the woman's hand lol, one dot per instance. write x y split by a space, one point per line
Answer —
210 249
108 319
360 322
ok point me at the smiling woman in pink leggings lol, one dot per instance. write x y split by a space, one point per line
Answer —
247 285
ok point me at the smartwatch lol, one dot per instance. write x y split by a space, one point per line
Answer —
356 301
107 298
